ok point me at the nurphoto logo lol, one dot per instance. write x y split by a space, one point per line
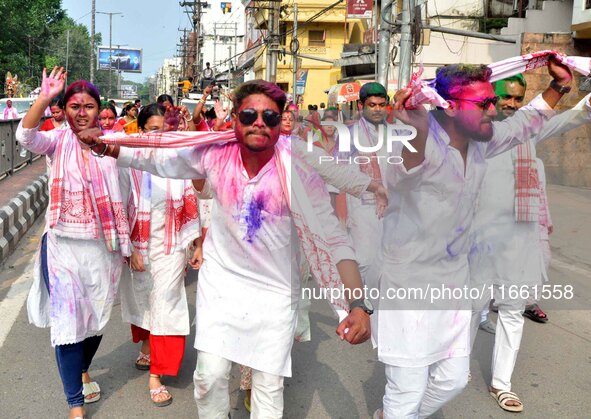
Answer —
387 133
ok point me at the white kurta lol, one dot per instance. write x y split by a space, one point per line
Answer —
426 243
504 252
155 299
248 286
83 274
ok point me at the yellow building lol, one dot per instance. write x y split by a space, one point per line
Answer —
322 38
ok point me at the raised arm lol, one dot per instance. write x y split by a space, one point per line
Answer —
417 118
51 86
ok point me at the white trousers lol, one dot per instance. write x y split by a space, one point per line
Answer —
212 396
507 342
418 392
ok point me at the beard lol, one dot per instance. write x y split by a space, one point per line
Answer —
477 135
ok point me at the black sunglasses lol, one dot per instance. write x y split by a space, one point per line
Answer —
249 116
484 104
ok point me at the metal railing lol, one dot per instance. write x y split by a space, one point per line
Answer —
10 151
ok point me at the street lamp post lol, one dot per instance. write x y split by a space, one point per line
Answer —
110 47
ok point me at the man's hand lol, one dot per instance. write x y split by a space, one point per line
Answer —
559 72
355 328
137 262
197 258
416 117
381 201
90 137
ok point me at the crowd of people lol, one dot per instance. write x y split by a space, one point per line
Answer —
255 198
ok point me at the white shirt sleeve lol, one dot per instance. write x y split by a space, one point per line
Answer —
526 123
346 178
38 142
173 163
570 119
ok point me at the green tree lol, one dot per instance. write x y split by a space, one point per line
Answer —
25 36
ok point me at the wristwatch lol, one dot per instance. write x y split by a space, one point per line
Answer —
560 89
362 303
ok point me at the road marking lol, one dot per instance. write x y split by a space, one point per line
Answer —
556 263
11 305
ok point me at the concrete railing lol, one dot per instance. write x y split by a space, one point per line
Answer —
10 151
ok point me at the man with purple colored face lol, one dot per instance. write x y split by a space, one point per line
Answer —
425 343
249 286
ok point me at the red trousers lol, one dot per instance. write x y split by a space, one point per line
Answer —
166 352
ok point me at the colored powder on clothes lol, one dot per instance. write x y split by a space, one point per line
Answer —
254 218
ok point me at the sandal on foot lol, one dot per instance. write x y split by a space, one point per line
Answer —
156 392
502 397
488 326
91 392
536 314
143 362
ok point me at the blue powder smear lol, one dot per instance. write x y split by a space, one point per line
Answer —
254 219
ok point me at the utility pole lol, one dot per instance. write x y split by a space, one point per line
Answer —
405 63
110 48
273 46
384 45
294 41
92 62
215 43
235 37
196 19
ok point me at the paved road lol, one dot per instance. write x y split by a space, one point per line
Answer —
331 379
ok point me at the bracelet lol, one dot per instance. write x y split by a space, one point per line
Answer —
102 153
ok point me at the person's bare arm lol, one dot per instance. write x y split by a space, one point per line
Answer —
199 107
355 328
562 77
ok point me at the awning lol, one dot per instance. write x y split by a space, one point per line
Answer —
343 93
355 60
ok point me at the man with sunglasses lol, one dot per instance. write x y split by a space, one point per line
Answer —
425 341
363 224
507 242
249 284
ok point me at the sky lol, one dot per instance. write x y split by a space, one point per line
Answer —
151 25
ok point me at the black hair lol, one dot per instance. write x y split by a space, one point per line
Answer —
165 98
253 87
153 109
57 101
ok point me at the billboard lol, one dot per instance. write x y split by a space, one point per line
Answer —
120 59
359 9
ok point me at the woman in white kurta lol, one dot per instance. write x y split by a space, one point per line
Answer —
153 300
77 273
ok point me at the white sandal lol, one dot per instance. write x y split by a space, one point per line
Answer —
91 388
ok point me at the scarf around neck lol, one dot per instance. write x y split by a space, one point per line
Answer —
76 177
314 241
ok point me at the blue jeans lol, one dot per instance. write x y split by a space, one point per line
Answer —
72 360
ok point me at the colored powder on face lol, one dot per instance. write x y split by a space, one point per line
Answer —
254 218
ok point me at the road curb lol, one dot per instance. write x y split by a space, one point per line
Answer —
20 213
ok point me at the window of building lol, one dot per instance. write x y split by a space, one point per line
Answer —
587 4
316 38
